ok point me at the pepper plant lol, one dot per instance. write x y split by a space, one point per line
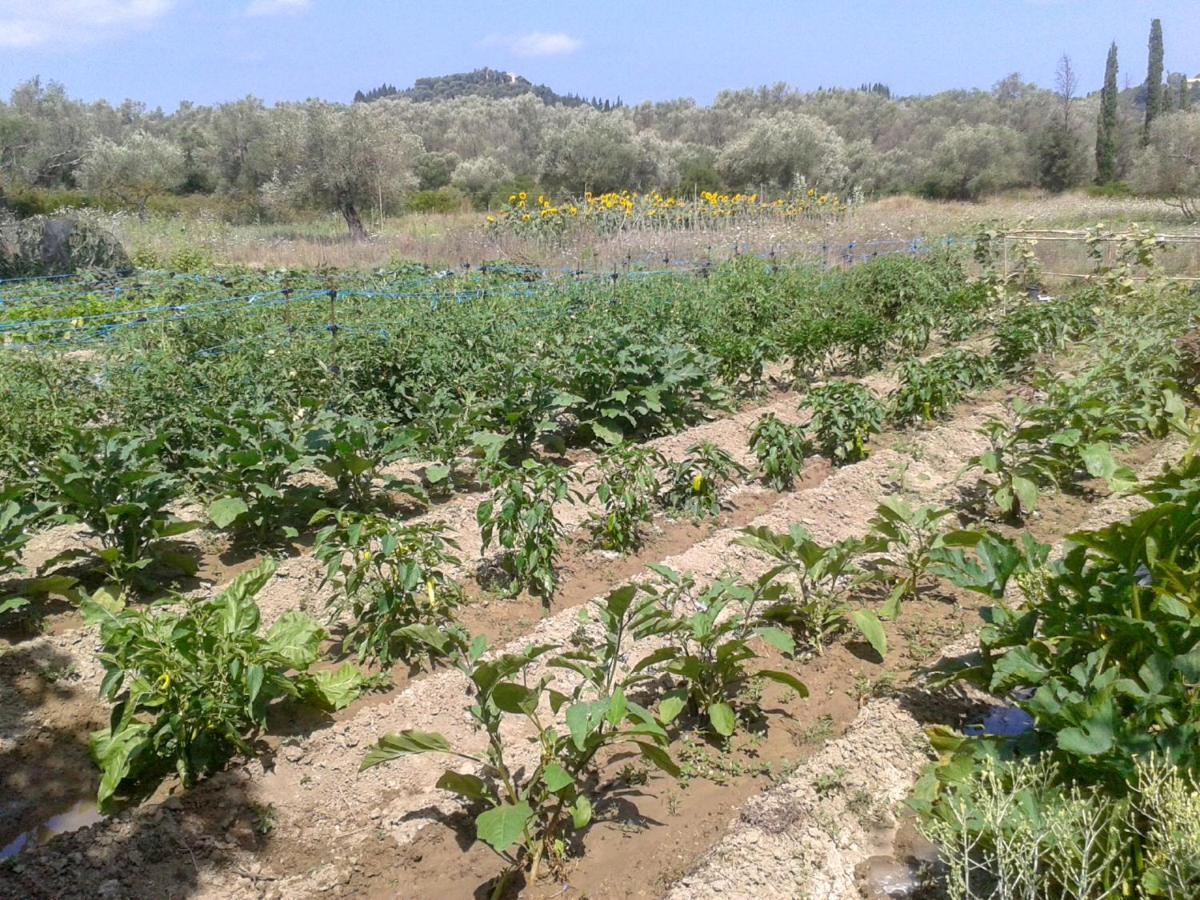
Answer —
780 449
627 488
191 680
844 416
694 483
521 518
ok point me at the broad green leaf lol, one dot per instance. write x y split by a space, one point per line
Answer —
503 826
12 604
1091 738
227 510
778 638
1026 491
337 689
785 678
463 784
514 698
1017 668
871 628
659 757
584 718
297 638
393 746
672 705
437 474
606 433
556 778
724 722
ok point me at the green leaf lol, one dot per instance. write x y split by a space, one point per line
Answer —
227 510
103 606
778 638
1017 668
114 753
581 812
607 434
1091 738
672 705
785 678
871 628
659 757
337 689
437 474
724 722
297 638
471 786
584 718
1026 491
501 827
254 681
556 778
393 746
514 698
12 604
617 707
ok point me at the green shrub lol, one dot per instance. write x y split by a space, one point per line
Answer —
441 200
191 681
844 416
780 449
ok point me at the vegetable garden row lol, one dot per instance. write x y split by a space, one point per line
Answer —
356 438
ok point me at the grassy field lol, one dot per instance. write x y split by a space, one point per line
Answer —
450 240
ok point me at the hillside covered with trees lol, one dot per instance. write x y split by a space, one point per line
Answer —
473 138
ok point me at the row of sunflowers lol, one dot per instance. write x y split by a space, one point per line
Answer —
631 210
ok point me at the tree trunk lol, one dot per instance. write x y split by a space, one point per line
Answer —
353 222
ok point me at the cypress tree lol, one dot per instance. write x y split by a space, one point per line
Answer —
1154 77
1185 93
1106 126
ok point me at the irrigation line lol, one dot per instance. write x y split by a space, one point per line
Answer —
174 313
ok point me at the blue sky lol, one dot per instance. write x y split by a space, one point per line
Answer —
164 51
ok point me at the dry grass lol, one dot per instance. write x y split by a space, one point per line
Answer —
449 240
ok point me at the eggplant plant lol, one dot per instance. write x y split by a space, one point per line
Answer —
352 450
815 582
536 796
110 481
247 470
18 519
906 540
711 637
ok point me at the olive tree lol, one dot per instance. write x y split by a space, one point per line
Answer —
593 152
973 160
782 149
351 155
479 178
1169 166
132 171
